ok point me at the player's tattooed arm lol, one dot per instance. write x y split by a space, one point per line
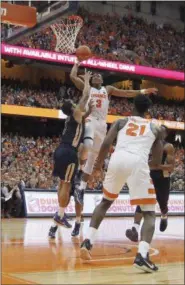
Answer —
108 141
78 82
113 91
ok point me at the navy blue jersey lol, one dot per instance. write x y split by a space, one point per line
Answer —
73 132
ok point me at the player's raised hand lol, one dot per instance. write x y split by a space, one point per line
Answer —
78 62
151 91
87 76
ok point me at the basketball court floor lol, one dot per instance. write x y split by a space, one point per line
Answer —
29 257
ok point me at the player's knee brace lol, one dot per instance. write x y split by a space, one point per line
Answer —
89 136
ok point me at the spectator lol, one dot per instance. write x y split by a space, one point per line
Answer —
128 38
12 202
46 95
31 160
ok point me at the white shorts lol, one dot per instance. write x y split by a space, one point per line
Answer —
95 129
125 167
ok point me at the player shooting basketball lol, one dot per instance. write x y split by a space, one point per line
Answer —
96 127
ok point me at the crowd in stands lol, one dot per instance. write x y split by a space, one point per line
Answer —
29 161
15 92
50 94
177 177
132 40
126 38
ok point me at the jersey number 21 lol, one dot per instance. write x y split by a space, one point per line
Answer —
135 130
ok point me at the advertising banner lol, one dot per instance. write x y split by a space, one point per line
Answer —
42 203
91 63
58 114
30 111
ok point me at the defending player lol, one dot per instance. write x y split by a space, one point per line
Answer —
96 127
161 179
129 164
66 155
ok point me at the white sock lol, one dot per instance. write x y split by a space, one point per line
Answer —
91 234
136 226
54 225
61 212
78 220
83 185
143 248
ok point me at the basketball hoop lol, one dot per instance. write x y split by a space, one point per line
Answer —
66 32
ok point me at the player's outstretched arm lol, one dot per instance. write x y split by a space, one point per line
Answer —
113 91
90 108
170 159
86 92
157 148
81 106
78 82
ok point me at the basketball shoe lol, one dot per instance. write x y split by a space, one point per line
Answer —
68 217
145 264
61 221
76 230
163 223
85 249
52 232
132 234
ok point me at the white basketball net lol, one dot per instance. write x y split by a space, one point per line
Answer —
66 32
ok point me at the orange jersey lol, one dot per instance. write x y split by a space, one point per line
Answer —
101 102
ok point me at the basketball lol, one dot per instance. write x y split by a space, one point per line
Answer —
83 53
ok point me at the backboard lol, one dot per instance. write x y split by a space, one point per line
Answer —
46 15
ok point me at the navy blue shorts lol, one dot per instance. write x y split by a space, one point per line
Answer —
65 163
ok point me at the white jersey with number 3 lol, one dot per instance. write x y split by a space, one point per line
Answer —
101 103
136 137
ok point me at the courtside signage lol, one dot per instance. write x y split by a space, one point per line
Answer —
93 63
58 114
29 111
43 203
